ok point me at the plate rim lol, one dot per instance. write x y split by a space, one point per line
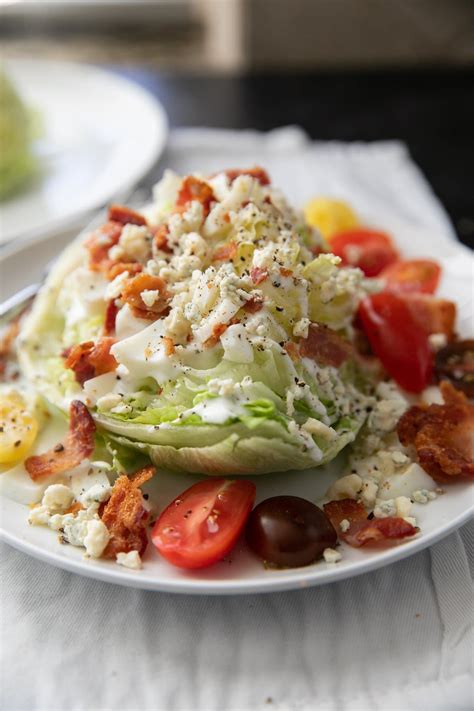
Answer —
162 125
112 573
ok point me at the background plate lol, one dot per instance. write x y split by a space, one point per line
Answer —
241 572
99 134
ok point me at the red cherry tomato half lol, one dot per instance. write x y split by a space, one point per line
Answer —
421 275
367 249
203 524
397 340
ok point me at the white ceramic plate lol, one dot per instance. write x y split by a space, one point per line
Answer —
99 134
242 572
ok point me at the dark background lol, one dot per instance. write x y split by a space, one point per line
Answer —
431 110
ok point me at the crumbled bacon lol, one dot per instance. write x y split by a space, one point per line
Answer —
169 346
292 350
98 244
225 252
160 238
257 274
194 189
110 318
363 531
325 346
257 172
132 295
432 315
117 268
442 435
125 215
217 332
90 359
77 446
125 515
286 272
254 304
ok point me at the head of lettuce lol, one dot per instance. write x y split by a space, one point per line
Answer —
17 163
204 332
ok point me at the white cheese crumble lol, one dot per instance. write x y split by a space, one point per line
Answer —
331 555
400 506
149 297
134 243
130 560
347 487
344 525
117 285
369 491
96 538
39 516
422 496
57 498
301 327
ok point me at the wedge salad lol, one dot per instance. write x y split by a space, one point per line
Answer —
219 332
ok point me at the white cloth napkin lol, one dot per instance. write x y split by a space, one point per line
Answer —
396 638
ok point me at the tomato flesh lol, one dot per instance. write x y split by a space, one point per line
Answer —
370 250
203 524
420 275
397 340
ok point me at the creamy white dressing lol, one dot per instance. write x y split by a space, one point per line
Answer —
126 324
217 410
82 296
144 355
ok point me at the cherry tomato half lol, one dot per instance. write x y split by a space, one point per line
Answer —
203 524
421 275
367 249
288 531
397 340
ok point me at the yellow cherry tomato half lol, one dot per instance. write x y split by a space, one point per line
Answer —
330 216
18 428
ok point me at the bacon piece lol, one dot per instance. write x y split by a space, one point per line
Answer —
169 346
110 318
78 445
257 274
217 332
286 272
325 346
225 252
194 189
125 515
292 350
442 435
254 304
432 315
160 238
132 295
117 268
125 215
98 244
363 531
90 359
256 172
